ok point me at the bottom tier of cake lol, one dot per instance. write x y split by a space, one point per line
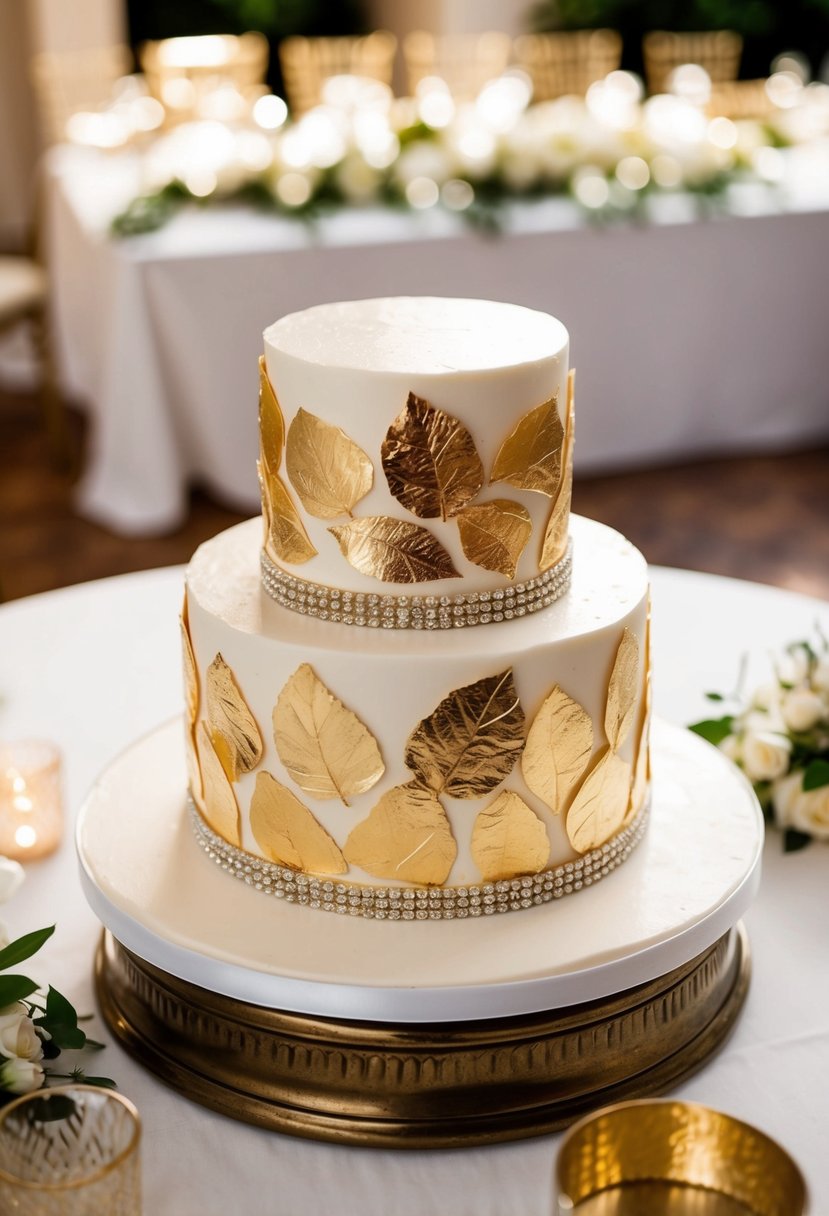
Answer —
369 1032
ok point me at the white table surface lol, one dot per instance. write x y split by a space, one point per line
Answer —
689 335
95 666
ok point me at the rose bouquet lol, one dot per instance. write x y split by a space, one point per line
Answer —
780 739
34 1027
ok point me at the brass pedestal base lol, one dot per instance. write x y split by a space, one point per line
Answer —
447 1085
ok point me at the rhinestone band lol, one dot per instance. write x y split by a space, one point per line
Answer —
416 611
419 903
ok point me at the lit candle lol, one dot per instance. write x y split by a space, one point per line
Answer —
31 810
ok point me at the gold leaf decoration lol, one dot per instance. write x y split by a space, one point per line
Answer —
494 534
554 545
621 692
329 472
285 536
470 743
271 422
194 780
288 833
191 701
600 806
219 804
393 550
325 747
430 461
407 837
530 456
190 671
509 839
558 749
641 763
233 728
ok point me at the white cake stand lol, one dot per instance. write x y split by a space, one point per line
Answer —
423 1032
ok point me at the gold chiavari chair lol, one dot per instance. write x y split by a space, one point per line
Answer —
308 62
68 81
718 51
464 61
569 62
740 99
240 60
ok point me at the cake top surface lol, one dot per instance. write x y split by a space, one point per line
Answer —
420 335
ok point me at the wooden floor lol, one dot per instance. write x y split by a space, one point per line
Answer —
764 518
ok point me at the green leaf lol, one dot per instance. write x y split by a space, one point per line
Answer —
101 1082
714 696
15 988
793 840
24 947
94 1045
58 1009
816 775
714 729
64 1037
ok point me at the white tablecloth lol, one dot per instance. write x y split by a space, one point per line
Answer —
689 336
96 665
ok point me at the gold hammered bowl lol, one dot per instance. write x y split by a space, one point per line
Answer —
666 1157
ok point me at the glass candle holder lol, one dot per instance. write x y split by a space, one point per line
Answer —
70 1151
31 807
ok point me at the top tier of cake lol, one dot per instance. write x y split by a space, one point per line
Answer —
416 446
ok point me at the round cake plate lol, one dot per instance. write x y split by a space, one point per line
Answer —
687 884
424 1033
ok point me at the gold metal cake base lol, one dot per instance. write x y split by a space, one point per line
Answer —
451 1084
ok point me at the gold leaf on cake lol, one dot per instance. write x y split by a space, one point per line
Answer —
554 545
271 422
285 536
325 747
430 461
393 550
530 456
406 837
641 762
509 839
600 806
288 833
621 692
191 674
219 805
191 756
558 749
494 534
233 728
470 743
329 472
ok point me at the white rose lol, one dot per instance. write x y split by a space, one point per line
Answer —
802 709
805 810
732 747
11 877
820 675
766 697
20 1076
18 1037
765 755
793 668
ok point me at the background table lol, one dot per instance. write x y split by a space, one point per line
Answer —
95 666
690 336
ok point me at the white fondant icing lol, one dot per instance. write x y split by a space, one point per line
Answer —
354 364
393 680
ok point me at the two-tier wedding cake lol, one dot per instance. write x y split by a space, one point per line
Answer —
423 690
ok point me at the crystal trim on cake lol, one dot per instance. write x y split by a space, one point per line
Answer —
381 610
419 903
